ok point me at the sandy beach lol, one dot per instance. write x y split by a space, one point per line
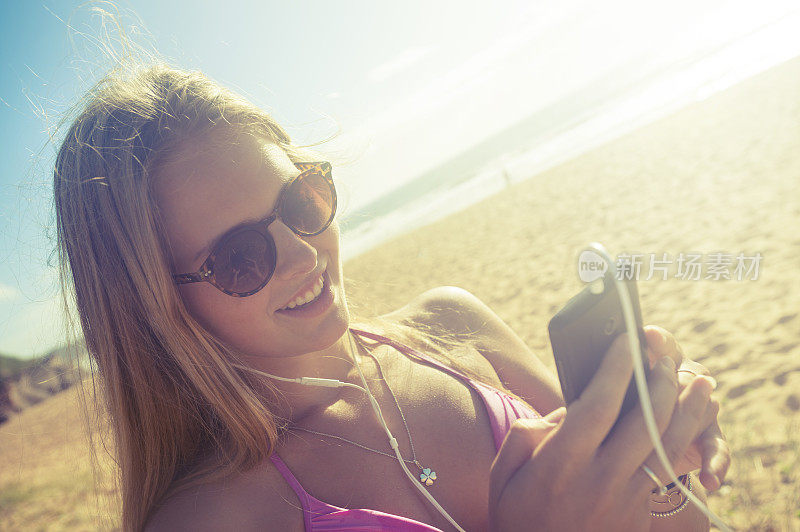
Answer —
721 175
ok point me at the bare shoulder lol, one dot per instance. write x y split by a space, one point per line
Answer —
457 311
258 499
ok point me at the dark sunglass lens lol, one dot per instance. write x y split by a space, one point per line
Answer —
243 261
309 203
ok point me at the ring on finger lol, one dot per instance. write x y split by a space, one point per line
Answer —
661 488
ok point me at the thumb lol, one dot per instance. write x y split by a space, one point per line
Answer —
522 439
556 415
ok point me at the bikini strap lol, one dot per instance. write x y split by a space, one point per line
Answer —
406 349
290 478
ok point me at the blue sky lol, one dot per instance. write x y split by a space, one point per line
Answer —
317 66
407 84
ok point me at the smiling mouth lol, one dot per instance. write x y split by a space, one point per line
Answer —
311 290
318 305
308 295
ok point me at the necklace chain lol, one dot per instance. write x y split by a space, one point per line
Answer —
428 475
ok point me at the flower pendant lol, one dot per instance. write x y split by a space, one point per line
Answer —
427 476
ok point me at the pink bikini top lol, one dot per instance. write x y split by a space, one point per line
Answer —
502 409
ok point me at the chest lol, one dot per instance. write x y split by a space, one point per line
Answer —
450 433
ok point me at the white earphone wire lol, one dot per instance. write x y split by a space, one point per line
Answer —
641 384
333 383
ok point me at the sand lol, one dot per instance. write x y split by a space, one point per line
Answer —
721 175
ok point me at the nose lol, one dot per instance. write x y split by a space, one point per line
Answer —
296 257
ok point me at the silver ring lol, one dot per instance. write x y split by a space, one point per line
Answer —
661 488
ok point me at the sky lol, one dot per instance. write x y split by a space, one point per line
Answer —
402 85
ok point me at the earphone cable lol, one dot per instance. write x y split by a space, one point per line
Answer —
641 384
333 383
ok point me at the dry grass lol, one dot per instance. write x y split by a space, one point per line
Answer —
47 481
762 491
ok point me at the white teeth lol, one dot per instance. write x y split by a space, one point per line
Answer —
312 294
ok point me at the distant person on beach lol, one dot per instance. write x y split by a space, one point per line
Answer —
202 249
506 176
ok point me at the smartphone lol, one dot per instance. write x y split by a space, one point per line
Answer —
583 330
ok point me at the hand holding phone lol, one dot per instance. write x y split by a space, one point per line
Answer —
584 329
533 455
595 370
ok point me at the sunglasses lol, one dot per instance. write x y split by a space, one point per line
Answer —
243 260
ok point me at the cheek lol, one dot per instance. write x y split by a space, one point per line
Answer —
327 242
332 244
332 238
230 319
332 232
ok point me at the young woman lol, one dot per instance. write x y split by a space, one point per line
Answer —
203 251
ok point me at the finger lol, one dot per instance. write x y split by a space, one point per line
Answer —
522 439
556 415
682 430
688 370
629 445
690 366
685 378
661 342
692 460
715 456
591 416
709 419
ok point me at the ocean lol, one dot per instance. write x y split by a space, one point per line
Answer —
638 92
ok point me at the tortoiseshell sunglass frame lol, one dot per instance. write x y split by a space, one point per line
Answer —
206 271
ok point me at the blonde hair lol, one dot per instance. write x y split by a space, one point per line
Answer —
168 387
